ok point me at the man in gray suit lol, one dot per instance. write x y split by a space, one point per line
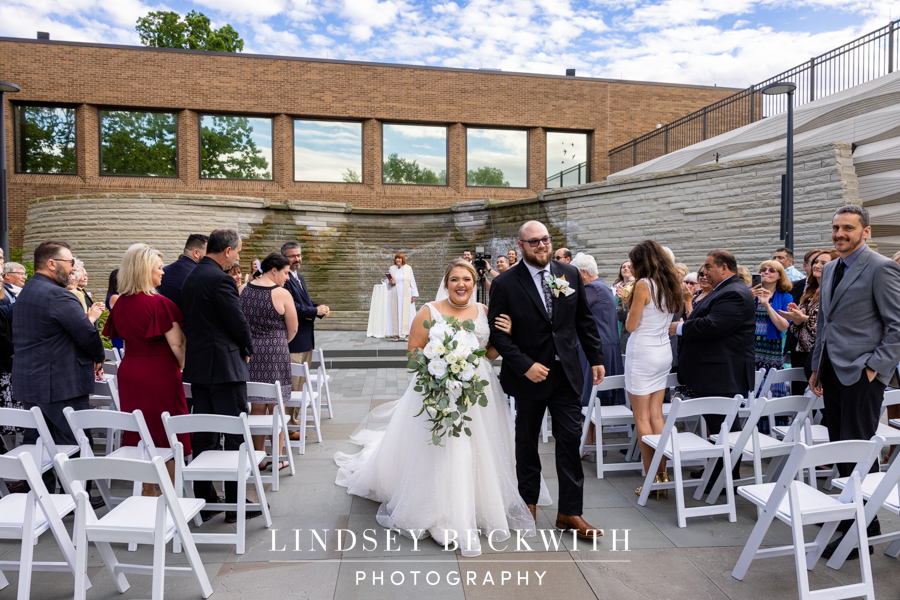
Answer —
858 338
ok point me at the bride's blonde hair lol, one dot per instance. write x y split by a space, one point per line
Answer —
459 262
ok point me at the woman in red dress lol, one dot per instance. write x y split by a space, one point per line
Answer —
149 377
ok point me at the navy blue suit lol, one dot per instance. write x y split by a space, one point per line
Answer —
56 347
173 279
602 303
305 340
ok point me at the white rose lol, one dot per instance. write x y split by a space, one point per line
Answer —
430 350
454 388
455 368
438 367
472 340
439 348
468 372
452 357
439 330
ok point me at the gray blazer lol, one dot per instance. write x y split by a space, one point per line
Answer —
860 324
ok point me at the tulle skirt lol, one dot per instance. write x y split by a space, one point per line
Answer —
451 492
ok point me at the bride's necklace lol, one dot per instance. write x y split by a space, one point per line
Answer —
460 306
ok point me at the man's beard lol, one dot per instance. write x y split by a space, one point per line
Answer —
60 275
538 261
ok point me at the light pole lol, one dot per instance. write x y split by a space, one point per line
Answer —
4 220
787 200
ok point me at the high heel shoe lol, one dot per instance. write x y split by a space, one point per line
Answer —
661 477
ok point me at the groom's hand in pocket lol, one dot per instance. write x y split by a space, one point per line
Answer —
537 373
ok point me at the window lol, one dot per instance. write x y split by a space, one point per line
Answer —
567 159
496 157
45 139
414 154
327 151
138 143
235 147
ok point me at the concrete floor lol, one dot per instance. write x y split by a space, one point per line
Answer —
661 560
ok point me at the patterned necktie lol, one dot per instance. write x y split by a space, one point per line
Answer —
838 275
548 297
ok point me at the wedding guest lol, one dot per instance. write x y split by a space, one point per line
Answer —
705 286
658 294
804 317
622 289
785 257
270 311
74 280
893 412
744 273
112 295
82 287
219 345
177 272
502 265
14 278
149 377
513 257
402 295
691 286
563 255
772 295
235 273
467 255
6 358
600 300
302 345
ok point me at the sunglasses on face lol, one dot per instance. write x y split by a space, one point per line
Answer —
538 241
768 270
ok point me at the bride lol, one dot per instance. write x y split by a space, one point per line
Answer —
454 491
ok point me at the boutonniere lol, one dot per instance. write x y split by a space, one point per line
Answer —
559 285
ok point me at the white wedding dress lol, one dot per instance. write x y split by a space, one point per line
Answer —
450 491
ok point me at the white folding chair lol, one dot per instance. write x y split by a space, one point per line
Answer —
115 422
776 376
271 424
763 446
307 399
797 504
240 465
44 448
106 395
139 519
880 491
26 516
319 380
890 434
112 355
680 446
600 417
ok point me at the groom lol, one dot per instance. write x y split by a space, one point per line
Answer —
541 368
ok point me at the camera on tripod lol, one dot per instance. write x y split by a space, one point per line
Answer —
481 261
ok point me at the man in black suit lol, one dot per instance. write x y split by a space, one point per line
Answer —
175 273
57 346
541 368
302 345
219 346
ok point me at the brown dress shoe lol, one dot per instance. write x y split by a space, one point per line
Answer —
294 435
584 531
533 509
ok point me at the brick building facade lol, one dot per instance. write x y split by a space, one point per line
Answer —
93 77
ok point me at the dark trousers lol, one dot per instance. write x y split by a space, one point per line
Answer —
565 410
59 428
217 399
851 411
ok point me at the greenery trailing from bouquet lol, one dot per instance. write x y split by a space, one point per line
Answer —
446 376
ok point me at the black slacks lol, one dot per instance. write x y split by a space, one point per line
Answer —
228 399
851 411
565 410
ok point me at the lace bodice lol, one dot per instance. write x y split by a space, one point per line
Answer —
482 329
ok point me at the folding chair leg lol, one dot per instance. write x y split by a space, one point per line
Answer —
894 549
286 444
241 516
190 551
112 565
80 566
26 557
753 543
4 582
800 559
159 568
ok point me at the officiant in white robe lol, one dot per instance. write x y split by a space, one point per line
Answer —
402 294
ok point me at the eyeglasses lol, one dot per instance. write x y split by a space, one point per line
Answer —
768 270
68 260
22 273
537 242
689 282
702 276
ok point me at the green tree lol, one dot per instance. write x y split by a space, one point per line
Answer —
137 143
350 176
491 176
46 140
228 150
401 170
167 29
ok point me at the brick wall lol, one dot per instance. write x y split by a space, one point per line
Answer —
92 77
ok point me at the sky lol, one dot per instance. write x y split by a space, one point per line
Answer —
713 42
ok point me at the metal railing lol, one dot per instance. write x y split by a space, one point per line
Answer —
864 59
572 176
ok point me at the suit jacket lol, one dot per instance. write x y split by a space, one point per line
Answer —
174 275
535 338
55 344
717 355
602 303
218 335
860 323
305 340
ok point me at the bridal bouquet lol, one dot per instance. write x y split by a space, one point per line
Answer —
446 377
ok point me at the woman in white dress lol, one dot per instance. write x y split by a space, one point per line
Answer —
656 296
452 491
402 292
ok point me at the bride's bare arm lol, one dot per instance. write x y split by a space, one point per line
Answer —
418 335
